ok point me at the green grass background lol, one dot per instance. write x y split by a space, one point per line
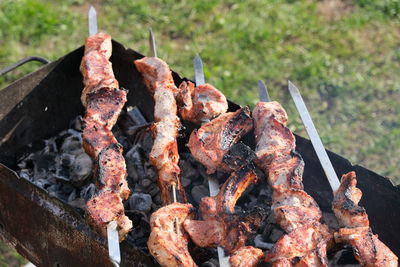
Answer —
343 55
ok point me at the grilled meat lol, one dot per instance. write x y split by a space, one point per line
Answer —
166 243
300 243
246 257
275 147
111 170
164 154
345 203
106 207
294 208
95 67
295 211
368 249
220 225
200 104
213 140
156 73
104 101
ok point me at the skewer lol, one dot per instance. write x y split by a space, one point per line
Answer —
153 48
314 137
212 183
114 252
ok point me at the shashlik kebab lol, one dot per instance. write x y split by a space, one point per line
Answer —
368 249
294 210
104 101
164 155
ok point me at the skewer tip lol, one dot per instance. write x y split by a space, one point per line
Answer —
152 42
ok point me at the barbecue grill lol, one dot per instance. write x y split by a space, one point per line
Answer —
49 232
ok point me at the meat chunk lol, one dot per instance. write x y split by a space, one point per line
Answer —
111 170
164 154
300 243
104 101
345 203
106 207
368 249
213 140
295 211
294 208
200 104
166 243
156 74
246 257
220 225
95 66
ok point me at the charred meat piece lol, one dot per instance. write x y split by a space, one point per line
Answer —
106 207
200 104
220 225
166 243
294 210
104 101
111 170
164 154
275 145
345 203
214 139
246 257
95 66
300 243
368 249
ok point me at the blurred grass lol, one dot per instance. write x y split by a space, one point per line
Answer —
343 55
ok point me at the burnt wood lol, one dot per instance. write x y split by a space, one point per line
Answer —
49 232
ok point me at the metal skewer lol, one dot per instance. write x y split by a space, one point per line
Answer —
213 185
314 137
114 252
153 48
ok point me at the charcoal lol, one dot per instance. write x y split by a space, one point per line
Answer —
145 182
88 191
136 116
43 183
25 173
198 192
154 190
185 181
77 124
72 195
211 263
77 203
140 201
67 188
260 243
81 169
344 257
275 234
72 144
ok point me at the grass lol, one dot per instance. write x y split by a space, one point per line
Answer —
343 55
